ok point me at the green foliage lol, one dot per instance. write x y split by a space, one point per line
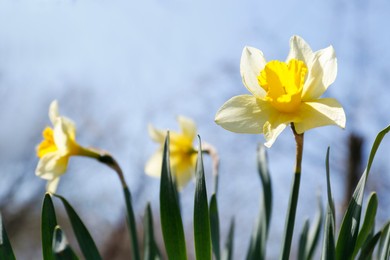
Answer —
131 224
48 224
202 235
257 244
6 251
86 243
151 251
348 234
214 227
171 223
227 253
61 247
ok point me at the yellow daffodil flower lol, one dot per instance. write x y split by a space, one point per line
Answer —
58 145
182 153
284 93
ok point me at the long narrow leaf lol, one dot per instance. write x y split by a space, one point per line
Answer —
61 247
369 247
171 222
6 251
384 244
262 166
314 232
131 224
202 235
48 224
303 240
227 253
328 246
350 225
214 227
86 243
257 244
368 223
151 251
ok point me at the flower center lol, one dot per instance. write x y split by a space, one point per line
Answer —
283 83
47 145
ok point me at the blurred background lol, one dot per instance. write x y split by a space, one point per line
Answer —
116 66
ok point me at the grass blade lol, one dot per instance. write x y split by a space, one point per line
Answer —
328 246
86 243
151 251
350 225
131 224
262 166
314 232
384 244
61 248
303 240
214 227
171 222
369 247
368 223
227 253
48 224
257 245
6 251
202 235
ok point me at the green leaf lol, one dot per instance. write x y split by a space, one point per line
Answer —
131 224
314 232
369 247
202 235
384 244
214 226
151 251
6 251
171 222
368 223
328 246
290 219
350 225
86 243
61 247
227 253
48 224
257 245
262 166
303 240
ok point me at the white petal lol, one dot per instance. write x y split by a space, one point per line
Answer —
243 114
157 135
275 125
326 111
53 111
64 134
300 50
187 126
51 165
321 75
154 165
52 185
252 62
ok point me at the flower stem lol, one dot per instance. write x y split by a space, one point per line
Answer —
108 160
292 206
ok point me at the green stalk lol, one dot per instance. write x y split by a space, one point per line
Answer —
292 205
110 162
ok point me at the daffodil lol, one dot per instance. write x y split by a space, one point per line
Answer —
58 145
283 93
183 155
